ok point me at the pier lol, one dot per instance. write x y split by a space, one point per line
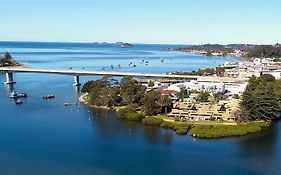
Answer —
77 73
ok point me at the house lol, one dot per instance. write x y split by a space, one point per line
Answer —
222 111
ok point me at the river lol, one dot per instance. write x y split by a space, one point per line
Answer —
45 137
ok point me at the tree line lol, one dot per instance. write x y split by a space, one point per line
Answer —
265 51
127 92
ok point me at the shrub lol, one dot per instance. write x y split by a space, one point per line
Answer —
167 125
182 131
154 121
128 110
134 116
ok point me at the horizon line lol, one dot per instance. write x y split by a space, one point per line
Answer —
114 42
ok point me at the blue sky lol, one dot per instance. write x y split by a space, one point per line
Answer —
142 21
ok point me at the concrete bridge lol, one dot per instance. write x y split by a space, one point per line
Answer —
77 73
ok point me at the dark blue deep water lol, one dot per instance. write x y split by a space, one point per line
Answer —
45 137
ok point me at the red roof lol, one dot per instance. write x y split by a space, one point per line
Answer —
167 92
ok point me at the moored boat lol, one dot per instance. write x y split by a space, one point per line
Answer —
48 96
13 95
18 102
23 94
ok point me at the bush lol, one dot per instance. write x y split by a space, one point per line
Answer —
182 131
134 116
167 125
128 110
154 121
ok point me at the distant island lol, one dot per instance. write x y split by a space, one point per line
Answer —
8 61
124 45
121 44
243 51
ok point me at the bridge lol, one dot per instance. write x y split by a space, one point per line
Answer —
77 73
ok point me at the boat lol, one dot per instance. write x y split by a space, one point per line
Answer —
18 102
48 96
69 104
13 95
23 94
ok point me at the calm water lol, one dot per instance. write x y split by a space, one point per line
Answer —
44 137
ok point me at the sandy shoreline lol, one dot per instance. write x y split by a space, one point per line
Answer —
83 101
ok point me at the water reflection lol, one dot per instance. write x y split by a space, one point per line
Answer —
10 88
108 125
77 92
263 143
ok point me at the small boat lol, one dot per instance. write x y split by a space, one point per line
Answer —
13 95
18 102
67 104
23 94
70 104
135 65
48 96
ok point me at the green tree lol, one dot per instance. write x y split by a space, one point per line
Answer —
88 86
150 84
182 94
165 103
260 101
151 103
131 90
203 97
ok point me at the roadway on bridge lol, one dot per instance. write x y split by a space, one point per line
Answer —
108 73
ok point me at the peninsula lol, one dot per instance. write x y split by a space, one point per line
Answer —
8 61
242 51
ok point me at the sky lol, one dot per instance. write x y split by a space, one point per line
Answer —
142 21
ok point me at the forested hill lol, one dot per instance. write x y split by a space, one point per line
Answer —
246 51
7 60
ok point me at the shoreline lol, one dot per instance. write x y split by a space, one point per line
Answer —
83 101
218 56
202 130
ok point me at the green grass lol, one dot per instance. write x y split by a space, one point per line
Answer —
153 121
162 116
218 131
180 128
86 98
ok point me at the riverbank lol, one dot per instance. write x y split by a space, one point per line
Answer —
242 58
84 99
208 129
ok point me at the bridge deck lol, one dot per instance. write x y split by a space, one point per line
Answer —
104 73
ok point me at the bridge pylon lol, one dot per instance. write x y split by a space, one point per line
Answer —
76 81
10 78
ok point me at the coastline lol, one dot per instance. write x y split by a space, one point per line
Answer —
218 56
202 130
85 102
